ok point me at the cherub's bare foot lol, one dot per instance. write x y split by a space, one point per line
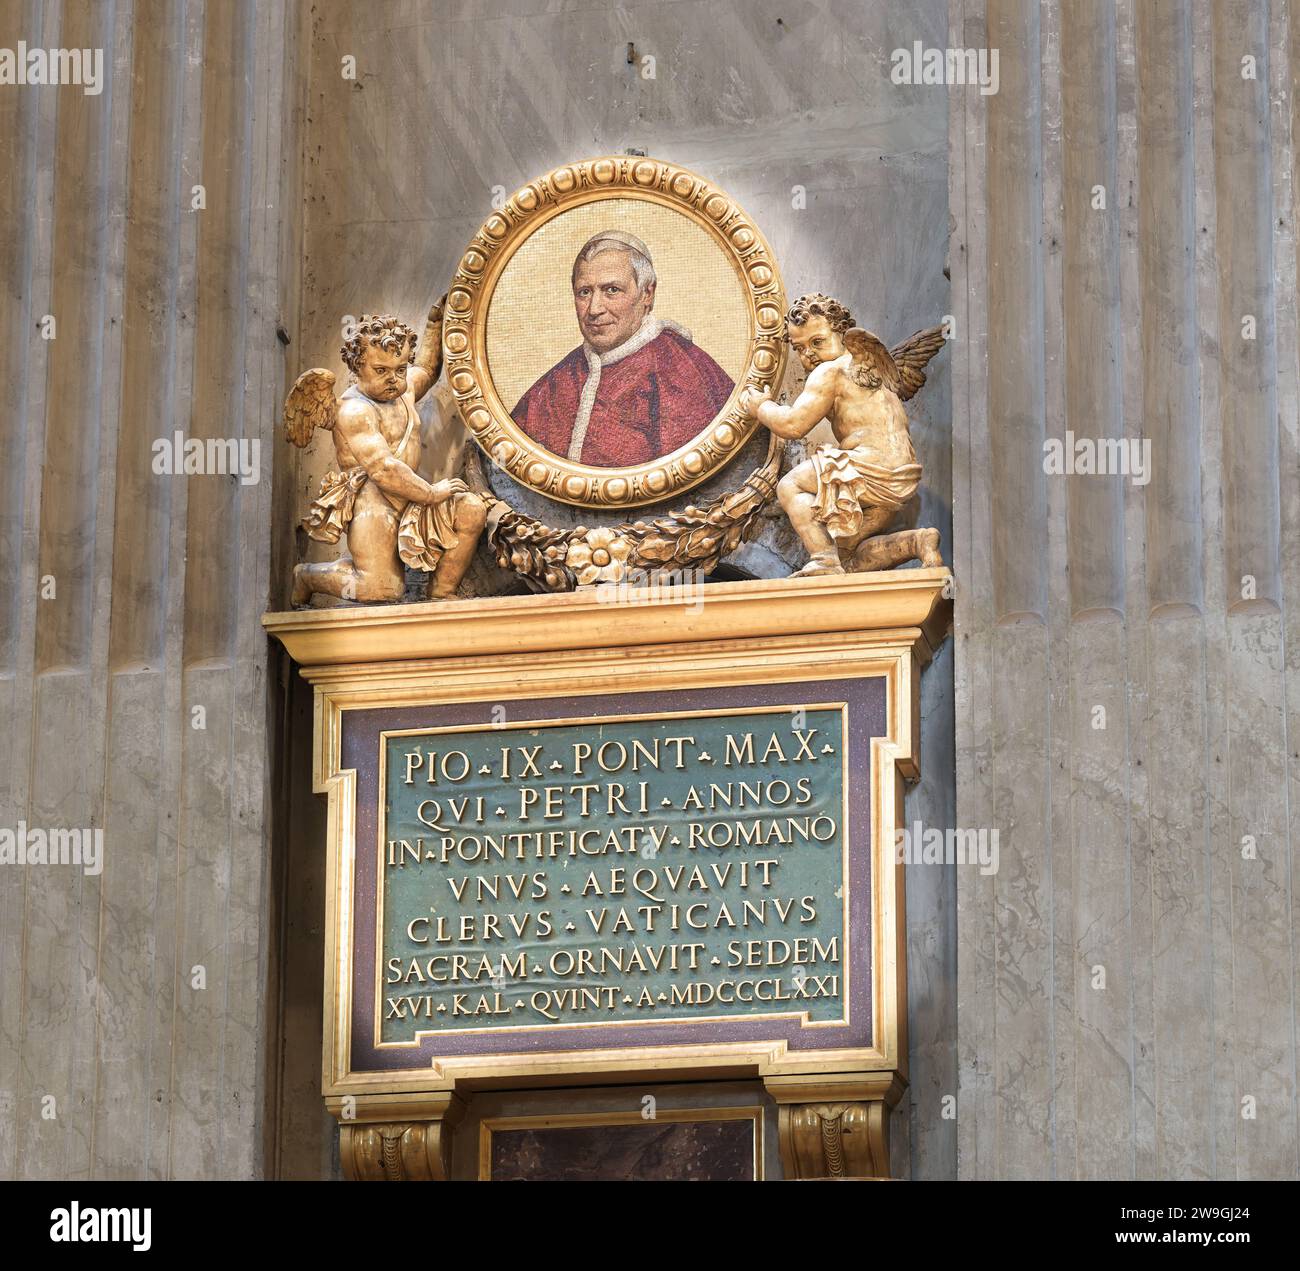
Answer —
301 596
820 563
927 548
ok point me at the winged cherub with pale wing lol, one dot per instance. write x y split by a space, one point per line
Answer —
842 499
391 514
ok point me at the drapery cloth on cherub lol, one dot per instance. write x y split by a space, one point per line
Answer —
424 532
849 479
331 511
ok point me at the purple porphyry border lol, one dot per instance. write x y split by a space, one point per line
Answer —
867 718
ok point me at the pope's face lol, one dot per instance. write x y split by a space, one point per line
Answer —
610 308
815 342
382 375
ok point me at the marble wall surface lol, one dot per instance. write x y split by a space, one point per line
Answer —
1127 651
323 196
133 674
1120 996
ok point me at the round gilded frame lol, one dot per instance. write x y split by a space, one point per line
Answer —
469 298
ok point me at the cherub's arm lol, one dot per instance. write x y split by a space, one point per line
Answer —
804 413
356 423
428 361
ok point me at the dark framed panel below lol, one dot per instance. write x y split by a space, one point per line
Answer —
714 1132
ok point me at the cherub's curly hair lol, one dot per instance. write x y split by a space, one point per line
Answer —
384 332
816 305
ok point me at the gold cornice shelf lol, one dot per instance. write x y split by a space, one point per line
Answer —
908 599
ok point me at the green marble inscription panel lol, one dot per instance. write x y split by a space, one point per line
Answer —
681 867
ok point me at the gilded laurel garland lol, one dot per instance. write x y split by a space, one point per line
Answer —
689 542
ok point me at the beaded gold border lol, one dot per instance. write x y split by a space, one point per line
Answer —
470 294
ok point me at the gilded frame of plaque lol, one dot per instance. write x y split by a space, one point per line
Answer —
886 641
508 295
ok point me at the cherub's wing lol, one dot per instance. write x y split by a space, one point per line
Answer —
870 354
311 404
911 356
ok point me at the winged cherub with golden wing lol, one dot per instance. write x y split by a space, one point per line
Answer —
842 499
375 495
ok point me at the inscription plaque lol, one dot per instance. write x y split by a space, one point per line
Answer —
689 866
